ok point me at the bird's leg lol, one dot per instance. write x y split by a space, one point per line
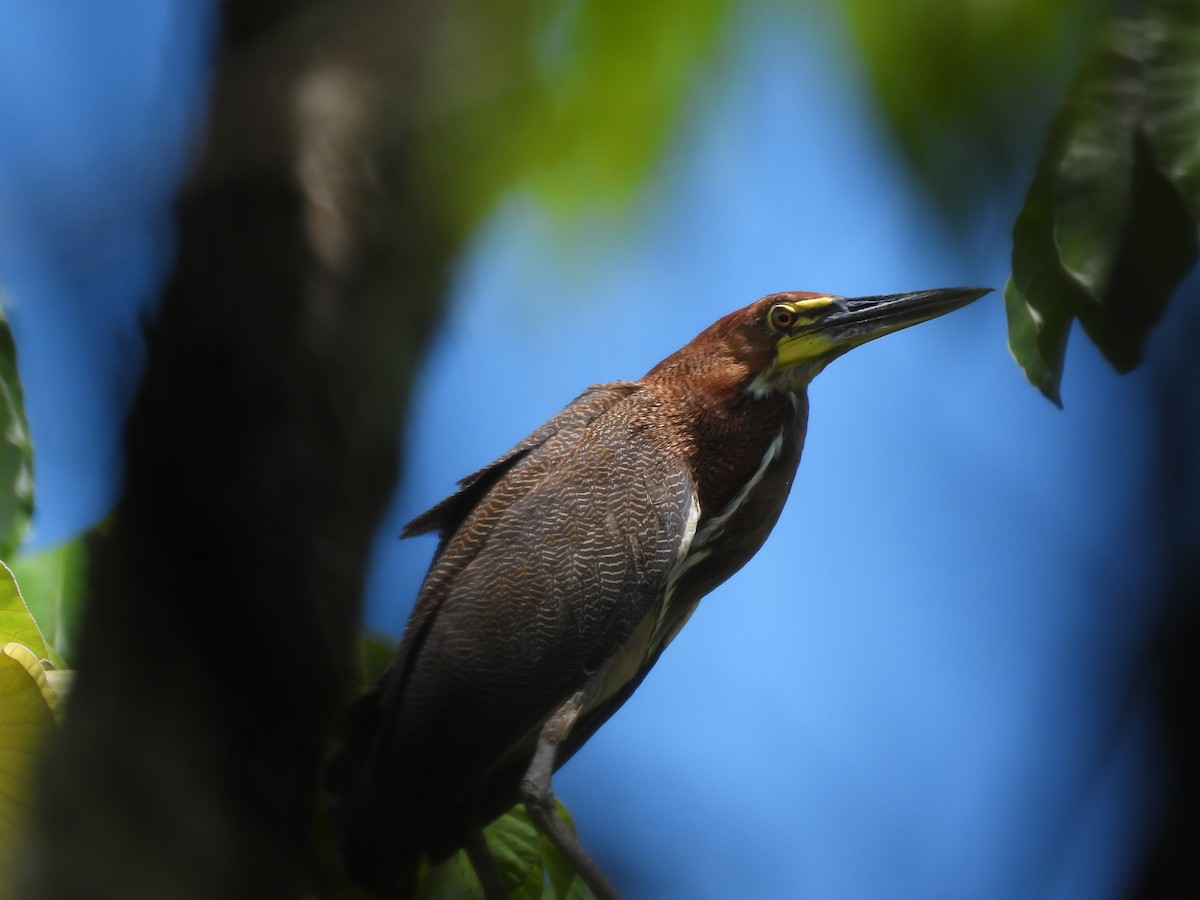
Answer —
485 866
538 796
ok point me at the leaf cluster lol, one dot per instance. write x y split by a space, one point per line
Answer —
1109 226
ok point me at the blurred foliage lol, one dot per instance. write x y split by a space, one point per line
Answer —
29 703
16 451
1109 226
569 101
964 86
617 73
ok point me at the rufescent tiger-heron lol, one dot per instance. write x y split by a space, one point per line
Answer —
566 567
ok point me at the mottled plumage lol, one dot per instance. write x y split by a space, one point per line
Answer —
567 565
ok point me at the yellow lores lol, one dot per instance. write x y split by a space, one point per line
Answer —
794 319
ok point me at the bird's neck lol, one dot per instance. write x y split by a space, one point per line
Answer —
725 432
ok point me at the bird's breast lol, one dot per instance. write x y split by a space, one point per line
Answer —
724 540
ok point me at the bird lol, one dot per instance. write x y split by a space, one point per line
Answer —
564 569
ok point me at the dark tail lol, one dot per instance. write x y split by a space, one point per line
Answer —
351 785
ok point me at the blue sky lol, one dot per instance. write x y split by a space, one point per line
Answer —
907 692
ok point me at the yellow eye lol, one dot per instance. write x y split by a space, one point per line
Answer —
782 317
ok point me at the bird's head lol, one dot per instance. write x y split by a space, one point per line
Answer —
781 342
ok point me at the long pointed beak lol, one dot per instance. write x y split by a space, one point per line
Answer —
860 319
845 323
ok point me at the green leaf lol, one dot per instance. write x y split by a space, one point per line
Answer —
1105 235
16 623
514 842
1093 190
1156 252
1173 84
1039 351
565 884
53 584
531 866
453 878
37 671
16 450
1041 298
27 706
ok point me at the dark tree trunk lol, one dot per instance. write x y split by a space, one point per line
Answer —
260 454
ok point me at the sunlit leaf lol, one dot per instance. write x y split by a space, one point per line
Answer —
37 671
16 453
16 623
60 681
26 714
53 583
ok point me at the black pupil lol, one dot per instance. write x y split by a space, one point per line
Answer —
783 317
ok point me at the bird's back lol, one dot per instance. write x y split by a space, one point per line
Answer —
501 636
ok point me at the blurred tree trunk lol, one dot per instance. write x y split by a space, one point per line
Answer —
260 454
